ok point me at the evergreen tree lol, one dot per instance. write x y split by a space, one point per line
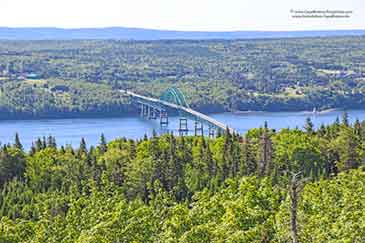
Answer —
33 149
212 166
44 142
62 149
227 155
82 148
345 119
102 144
154 133
265 162
51 142
322 131
249 158
17 143
38 145
358 128
12 164
309 127
346 145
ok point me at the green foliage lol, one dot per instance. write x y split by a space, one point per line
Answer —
186 189
22 99
297 151
81 78
12 163
330 211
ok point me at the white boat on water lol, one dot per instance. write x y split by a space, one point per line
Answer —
314 110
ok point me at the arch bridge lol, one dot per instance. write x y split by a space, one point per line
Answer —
174 100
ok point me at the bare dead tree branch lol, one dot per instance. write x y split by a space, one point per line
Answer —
296 186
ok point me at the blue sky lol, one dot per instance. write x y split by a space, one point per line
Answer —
210 15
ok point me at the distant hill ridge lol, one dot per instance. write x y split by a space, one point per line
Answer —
122 33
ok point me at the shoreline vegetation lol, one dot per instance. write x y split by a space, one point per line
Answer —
299 111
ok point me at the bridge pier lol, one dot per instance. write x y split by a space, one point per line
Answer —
183 126
153 115
199 130
164 118
143 110
211 132
148 110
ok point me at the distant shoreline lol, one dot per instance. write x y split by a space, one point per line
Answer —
303 111
141 34
135 114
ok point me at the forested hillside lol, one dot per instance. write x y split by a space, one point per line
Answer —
189 189
60 99
216 75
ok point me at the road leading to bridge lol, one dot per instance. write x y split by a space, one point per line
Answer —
192 113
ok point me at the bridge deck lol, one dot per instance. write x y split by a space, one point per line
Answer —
192 112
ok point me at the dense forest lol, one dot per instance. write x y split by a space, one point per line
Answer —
68 78
266 186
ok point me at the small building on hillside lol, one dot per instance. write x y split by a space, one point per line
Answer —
20 78
60 88
32 76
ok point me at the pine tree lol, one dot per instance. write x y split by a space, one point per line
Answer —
154 133
347 146
309 127
358 128
174 166
38 145
227 155
132 149
69 149
265 162
322 131
82 148
62 149
249 166
345 119
17 143
51 142
352 154
236 159
44 142
103 144
212 167
33 149
91 158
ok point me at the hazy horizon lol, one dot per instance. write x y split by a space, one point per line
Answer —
142 28
188 15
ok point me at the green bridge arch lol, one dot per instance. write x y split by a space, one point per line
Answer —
175 96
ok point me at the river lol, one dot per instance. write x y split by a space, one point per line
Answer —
69 131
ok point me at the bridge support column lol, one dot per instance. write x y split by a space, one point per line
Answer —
211 132
142 110
199 130
149 112
183 126
152 115
164 118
